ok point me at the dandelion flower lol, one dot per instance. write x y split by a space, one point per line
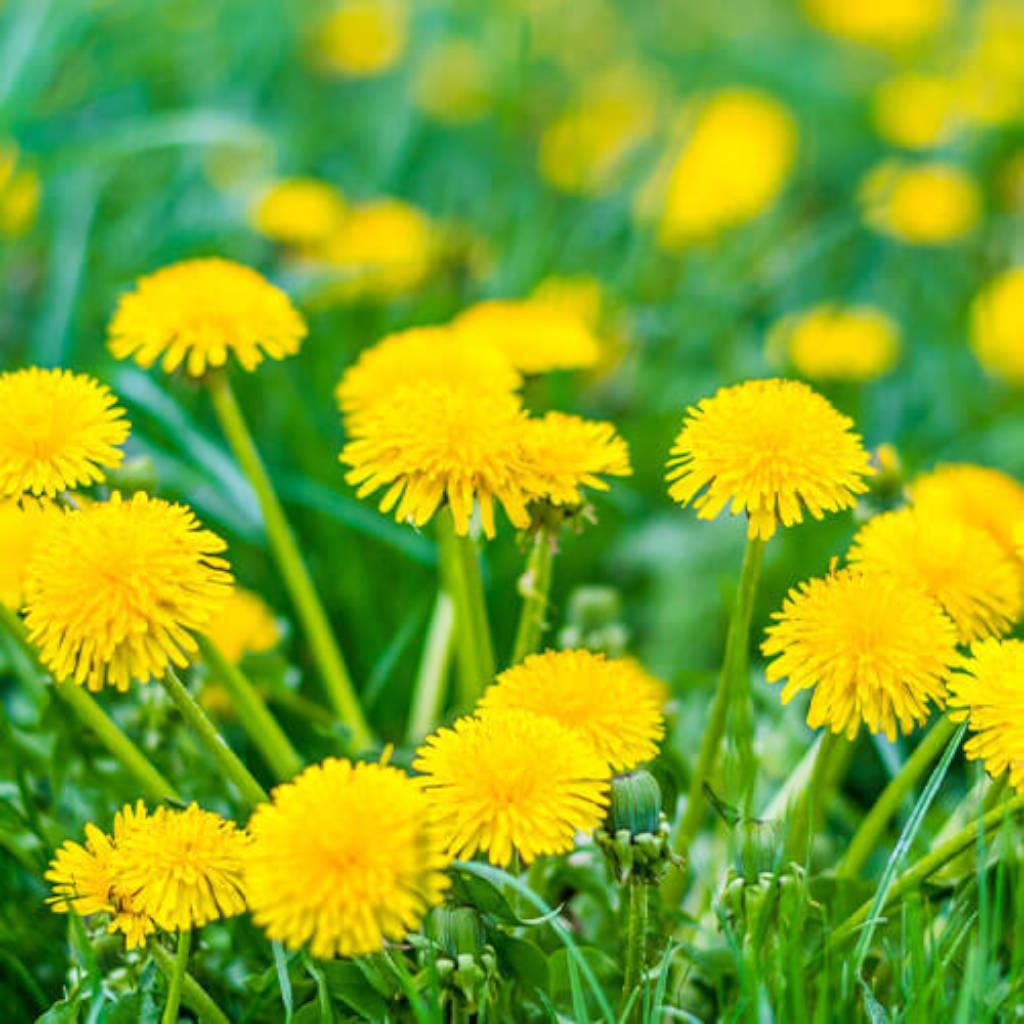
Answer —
363 38
243 625
453 83
988 690
872 648
916 111
21 524
115 590
997 326
198 312
438 443
342 858
301 212
182 868
884 23
770 448
957 564
513 781
58 430
580 294
609 701
20 193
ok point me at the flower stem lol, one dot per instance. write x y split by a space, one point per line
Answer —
892 796
431 679
250 790
261 726
460 576
808 807
324 646
636 945
535 586
192 993
176 980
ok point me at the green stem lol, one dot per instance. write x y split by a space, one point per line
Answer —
261 726
810 805
460 576
636 945
535 586
193 994
888 803
177 978
250 790
432 677
298 705
322 642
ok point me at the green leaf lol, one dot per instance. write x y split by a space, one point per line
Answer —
67 1011
603 967
133 1008
349 984
487 898
521 960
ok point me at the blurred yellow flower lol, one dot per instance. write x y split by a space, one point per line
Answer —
829 342
997 326
243 625
923 204
58 430
512 781
363 38
917 111
874 650
991 79
20 193
771 448
453 82
300 212
579 294
344 857
21 524
883 23
196 313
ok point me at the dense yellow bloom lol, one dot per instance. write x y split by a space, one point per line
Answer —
872 648
569 453
344 857
828 342
957 564
21 524
917 111
611 702
20 191
884 23
198 312
771 448
58 430
363 38
243 625
453 83
114 590
302 212
987 691
512 781
926 204
534 335
997 326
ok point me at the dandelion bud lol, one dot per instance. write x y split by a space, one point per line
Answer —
635 834
635 803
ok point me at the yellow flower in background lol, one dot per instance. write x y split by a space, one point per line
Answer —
453 82
987 692
735 160
436 444
923 204
873 650
774 449
569 453
243 625
534 335
917 111
58 430
20 193
512 781
960 566
21 525
579 294
301 212
611 702
883 23
344 857
829 342
363 38
115 590
997 326
991 80
196 313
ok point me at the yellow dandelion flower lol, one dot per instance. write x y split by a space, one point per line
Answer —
828 342
453 83
535 336
301 212
198 312
872 648
20 193
21 524
882 23
363 38
569 453
611 703
926 204
997 326
580 294
771 448
987 690
957 564
435 444
182 868
343 857
114 590
916 111
243 625
513 781
58 430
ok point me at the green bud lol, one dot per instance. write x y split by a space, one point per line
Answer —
457 930
635 804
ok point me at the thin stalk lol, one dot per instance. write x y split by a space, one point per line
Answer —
535 586
193 994
206 732
176 981
432 677
298 705
261 726
636 944
810 805
460 576
888 803
324 646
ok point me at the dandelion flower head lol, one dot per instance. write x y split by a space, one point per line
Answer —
883 23
997 326
363 38
20 193
300 212
243 625
21 525
916 111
